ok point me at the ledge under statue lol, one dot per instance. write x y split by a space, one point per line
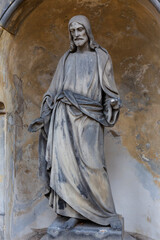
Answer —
81 100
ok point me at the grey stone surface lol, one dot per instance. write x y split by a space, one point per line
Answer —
127 236
156 3
83 230
4 4
72 236
40 234
2 174
138 236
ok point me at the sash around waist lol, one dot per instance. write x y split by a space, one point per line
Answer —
87 106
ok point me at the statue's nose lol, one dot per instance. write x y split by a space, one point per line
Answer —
76 33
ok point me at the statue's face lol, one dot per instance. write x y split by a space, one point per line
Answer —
78 33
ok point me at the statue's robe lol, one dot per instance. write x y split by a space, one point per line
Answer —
75 110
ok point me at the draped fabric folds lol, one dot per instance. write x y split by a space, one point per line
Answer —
74 112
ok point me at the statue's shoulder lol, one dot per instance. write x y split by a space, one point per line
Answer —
103 56
103 50
64 56
102 53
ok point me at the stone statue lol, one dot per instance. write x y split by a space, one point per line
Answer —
81 100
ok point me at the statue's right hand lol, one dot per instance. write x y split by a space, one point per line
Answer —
36 125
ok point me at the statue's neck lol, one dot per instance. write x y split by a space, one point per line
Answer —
84 48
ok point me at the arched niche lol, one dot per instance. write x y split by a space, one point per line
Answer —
13 13
130 31
2 106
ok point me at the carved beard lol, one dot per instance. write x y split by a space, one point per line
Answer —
86 24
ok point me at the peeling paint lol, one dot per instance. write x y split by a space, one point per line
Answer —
146 180
145 158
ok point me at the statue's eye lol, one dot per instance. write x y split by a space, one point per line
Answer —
80 29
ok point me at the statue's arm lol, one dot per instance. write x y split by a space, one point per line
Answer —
111 100
48 101
43 121
37 124
111 108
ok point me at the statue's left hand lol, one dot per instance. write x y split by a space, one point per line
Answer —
36 125
115 103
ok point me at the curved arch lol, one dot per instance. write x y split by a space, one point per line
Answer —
2 106
156 4
13 12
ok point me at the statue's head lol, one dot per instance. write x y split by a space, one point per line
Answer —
80 33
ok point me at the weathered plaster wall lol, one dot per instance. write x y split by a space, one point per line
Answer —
2 173
131 34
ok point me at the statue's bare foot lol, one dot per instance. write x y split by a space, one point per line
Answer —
70 223
116 225
56 229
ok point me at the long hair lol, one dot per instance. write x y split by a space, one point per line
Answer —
86 24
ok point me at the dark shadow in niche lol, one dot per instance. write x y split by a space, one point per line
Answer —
2 107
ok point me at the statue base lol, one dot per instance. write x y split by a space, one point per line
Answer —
82 231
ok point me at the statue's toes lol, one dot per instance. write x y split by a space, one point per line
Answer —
66 226
71 223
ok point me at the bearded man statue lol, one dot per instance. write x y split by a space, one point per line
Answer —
81 100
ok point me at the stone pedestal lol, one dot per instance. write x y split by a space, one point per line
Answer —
82 231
